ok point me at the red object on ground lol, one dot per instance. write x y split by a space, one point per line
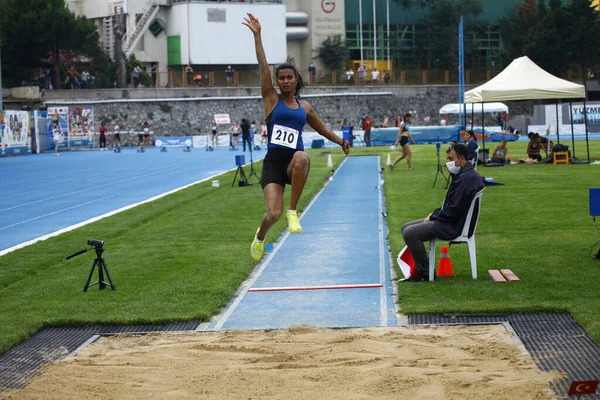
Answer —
445 264
583 387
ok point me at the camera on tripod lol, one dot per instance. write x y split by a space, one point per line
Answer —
95 243
98 246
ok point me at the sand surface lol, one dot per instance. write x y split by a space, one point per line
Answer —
458 362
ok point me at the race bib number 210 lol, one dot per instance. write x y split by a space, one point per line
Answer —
285 136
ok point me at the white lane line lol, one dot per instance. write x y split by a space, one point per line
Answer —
56 212
383 310
261 267
89 221
95 187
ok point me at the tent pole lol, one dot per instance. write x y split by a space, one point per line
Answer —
557 130
572 129
585 121
472 114
483 128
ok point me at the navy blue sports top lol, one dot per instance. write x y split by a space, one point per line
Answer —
284 130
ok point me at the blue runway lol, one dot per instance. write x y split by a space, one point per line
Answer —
335 273
44 194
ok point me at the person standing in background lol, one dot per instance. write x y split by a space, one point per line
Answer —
362 73
245 126
235 133
116 137
102 136
375 76
229 75
153 74
312 72
57 137
367 127
403 138
214 131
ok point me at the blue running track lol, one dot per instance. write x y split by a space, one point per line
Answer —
43 194
335 273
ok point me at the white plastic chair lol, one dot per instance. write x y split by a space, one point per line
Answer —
467 236
475 160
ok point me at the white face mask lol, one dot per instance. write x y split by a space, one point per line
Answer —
452 167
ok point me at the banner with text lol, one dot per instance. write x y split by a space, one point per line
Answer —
14 132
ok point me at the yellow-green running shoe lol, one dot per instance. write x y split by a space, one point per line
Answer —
257 248
293 224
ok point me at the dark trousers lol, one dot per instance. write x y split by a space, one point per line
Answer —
102 142
415 234
367 138
246 139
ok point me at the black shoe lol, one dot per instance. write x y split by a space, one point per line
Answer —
416 278
391 167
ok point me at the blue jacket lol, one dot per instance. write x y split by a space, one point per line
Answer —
449 220
471 149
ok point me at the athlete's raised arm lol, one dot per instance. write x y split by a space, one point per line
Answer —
268 92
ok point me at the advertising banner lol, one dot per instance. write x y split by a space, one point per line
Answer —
593 114
14 132
173 141
81 126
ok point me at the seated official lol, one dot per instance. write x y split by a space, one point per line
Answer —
447 222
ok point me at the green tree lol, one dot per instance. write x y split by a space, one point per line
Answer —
545 43
515 27
34 34
333 53
583 35
438 32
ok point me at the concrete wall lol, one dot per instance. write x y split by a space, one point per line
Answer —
190 111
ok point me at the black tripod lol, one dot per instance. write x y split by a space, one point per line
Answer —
252 171
98 263
243 177
440 168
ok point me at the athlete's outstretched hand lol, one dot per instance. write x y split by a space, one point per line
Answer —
346 147
252 23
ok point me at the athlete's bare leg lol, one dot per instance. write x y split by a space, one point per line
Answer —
273 193
298 172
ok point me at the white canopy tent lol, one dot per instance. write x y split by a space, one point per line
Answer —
456 108
525 80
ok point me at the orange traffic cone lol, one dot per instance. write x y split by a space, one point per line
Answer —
445 264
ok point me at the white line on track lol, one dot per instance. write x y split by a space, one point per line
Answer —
89 221
261 267
383 311
95 187
56 212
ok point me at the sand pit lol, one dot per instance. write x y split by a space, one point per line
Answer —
458 362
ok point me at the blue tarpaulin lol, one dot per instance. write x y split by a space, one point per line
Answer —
421 134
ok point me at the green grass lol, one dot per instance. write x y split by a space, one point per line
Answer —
184 256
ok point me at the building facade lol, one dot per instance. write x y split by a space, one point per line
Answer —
208 36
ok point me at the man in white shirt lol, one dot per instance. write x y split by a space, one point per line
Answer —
375 76
349 76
